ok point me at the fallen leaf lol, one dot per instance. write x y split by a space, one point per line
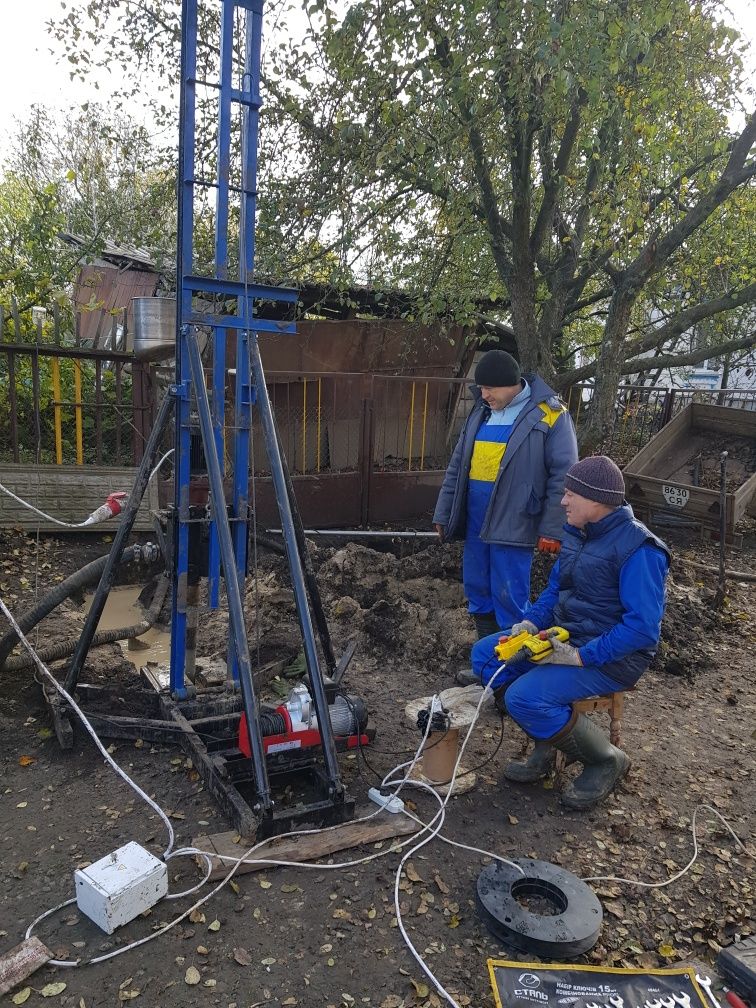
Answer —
201 950
22 996
234 886
197 917
513 819
26 760
264 883
422 989
128 995
192 976
242 957
269 961
209 983
214 925
22 804
667 951
411 873
444 888
52 989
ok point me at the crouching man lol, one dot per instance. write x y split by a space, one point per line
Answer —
607 589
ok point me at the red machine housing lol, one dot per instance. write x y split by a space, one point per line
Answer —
296 738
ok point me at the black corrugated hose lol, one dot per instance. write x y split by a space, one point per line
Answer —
56 651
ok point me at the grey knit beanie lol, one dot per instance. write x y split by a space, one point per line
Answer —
598 479
497 369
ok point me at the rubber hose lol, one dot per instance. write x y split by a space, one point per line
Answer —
66 648
82 578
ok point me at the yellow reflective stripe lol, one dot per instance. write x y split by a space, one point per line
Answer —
550 415
486 459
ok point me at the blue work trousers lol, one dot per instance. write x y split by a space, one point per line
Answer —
539 697
496 579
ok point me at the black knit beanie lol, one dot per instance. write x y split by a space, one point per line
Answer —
598 479
497 369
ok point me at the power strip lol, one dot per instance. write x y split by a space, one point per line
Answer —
389 802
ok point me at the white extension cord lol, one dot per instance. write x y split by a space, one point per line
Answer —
427 832
98 515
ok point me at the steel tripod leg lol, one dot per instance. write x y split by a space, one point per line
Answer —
311 583
233 592
119 541
295 568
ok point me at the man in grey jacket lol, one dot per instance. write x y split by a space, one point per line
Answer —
503 485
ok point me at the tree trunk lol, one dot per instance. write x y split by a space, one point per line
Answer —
522 300
726 363
599 429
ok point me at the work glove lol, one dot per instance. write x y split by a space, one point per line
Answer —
546 544
562 654
524 626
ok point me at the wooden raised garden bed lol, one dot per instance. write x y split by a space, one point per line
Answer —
678 472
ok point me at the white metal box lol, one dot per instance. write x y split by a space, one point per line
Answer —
120 886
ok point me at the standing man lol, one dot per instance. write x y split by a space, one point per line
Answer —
502 488
608 591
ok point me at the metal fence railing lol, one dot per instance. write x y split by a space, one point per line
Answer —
640 412
83 406
70 405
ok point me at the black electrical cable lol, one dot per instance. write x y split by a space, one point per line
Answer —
76 582
488 759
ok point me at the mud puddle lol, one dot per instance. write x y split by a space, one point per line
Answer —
121 610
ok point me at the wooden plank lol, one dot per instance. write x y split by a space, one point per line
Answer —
21 961
725 420
731 574
383 826
644 460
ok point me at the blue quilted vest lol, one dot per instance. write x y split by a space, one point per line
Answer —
589 572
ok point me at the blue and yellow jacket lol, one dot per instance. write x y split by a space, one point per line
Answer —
529 480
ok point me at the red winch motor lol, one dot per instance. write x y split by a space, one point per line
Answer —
294 725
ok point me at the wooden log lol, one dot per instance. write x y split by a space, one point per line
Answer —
731 574
21 961
383 826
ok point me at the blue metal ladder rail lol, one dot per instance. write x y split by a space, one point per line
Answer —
228 538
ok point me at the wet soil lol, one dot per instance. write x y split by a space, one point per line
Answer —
330 938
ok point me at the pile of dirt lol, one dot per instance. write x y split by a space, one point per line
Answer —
702 466
411 610
408 609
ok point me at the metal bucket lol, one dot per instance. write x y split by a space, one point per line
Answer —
154 327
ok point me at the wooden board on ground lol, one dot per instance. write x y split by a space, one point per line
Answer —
383 826
21 961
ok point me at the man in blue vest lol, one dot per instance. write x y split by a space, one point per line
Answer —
607 589
503 485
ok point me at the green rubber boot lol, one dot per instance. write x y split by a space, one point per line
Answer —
537 766
603 763
485 625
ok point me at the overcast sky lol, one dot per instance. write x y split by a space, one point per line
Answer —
30 74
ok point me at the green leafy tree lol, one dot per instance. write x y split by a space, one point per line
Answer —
550 160
97 176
